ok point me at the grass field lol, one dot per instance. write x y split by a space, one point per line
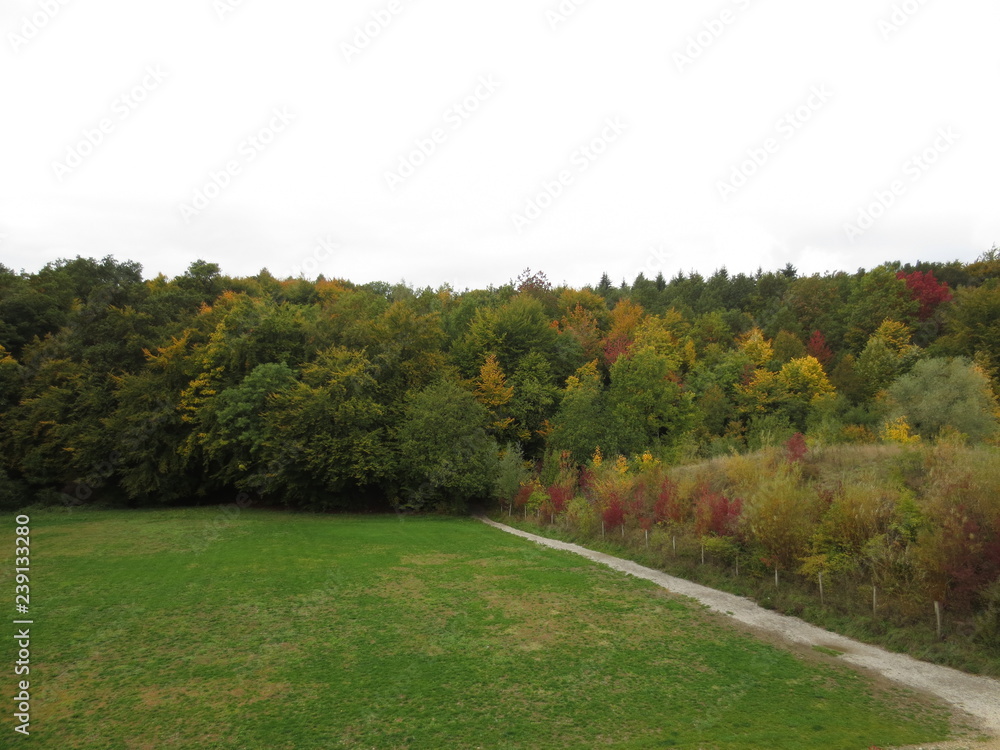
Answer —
296 631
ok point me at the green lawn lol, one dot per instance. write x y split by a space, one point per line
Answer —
295 631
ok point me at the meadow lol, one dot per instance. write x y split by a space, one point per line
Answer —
261 629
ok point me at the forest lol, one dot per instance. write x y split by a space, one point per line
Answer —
330 395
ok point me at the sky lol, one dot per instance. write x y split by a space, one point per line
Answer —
455 142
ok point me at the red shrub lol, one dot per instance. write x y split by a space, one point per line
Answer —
668 506
637 501
716 514
559 495
614 512
795 448
521 499
968 556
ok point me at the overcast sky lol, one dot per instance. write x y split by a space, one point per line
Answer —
454 141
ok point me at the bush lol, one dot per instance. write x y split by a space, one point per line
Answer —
795 448
987 630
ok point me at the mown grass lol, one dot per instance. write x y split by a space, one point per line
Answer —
296 631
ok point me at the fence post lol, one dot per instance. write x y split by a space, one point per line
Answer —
776 577
821 588
874 603
937 614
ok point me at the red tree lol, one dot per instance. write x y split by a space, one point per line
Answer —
926 290
522 495
619 346
817 348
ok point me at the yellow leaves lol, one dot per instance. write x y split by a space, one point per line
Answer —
626 316
895 335
898 431
690 354
500 425
492 390
801 380
586 377
598 458
756 347
655 333
621 465
760 392
805 378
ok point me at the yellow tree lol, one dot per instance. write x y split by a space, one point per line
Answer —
804 386
493 392
662 333
804 379
755 347
625 318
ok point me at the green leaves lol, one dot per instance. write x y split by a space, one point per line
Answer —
446 456
939 394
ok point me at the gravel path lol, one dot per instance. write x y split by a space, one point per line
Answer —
977 696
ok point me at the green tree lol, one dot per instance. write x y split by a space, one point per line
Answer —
534 401
446 456
579 425
326 441
887 355
973 326
511 474
233 423
945 393
878 296
648 409
510 332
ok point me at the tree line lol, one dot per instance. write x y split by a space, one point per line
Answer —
327 394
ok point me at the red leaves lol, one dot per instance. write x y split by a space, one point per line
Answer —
614 512
618 346
926 290
818 348
521 499
968 555
796 448
559 495
668 507
716 514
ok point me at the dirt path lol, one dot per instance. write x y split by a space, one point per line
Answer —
977 696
